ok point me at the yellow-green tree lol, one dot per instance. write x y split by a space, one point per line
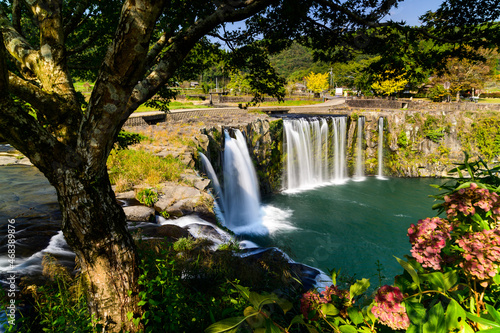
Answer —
317 82
389 83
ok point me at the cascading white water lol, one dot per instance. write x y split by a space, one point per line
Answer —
339 154
315 152
210 172
359 173
240 196
380 173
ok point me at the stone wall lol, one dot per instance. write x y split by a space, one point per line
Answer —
426 143
381 104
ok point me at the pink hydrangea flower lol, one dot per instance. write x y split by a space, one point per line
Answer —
389 309
428 238
468 200
481 254
312 299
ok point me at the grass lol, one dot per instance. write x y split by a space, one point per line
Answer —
489 100
128 167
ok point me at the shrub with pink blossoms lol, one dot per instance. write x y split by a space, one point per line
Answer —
388 308
428 238
481 254
312 299
472 200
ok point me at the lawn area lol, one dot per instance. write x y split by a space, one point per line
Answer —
489 100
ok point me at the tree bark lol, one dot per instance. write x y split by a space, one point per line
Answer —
94 225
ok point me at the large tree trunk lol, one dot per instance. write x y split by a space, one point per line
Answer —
95 227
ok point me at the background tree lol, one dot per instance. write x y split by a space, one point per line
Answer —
317 83
468 74
389 83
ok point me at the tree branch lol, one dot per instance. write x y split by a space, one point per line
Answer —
75 18
182 43
47 104
122 68
21 129
17 46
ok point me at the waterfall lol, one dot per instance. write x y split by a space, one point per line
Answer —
339 154
210 172
315 152
380 173
240 196
359 174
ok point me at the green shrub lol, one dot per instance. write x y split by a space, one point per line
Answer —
174 302
184 244
147 196
59 304
126 139
402 139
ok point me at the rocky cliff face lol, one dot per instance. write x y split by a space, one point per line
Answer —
426 143
416 143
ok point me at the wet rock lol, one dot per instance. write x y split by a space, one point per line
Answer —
198 182
126 195
139 213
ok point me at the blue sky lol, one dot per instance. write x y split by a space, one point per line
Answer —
410 10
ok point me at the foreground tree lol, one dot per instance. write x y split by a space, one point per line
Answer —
133 47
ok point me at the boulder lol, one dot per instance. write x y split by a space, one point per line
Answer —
139 213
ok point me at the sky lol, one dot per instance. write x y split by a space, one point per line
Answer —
410 10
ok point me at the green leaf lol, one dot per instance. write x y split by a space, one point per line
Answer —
409 268
491 330
130 315
435 323
493 313
416 312
329 309
414 329
284 304
335 273
258 300
271 327
244 291
355 315
455 316
435 279
482 321
359 287
298 319
450 279
482 224
347 329
225 325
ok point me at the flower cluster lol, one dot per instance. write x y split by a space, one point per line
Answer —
468 200
428 238
312 299
481 254
389 309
